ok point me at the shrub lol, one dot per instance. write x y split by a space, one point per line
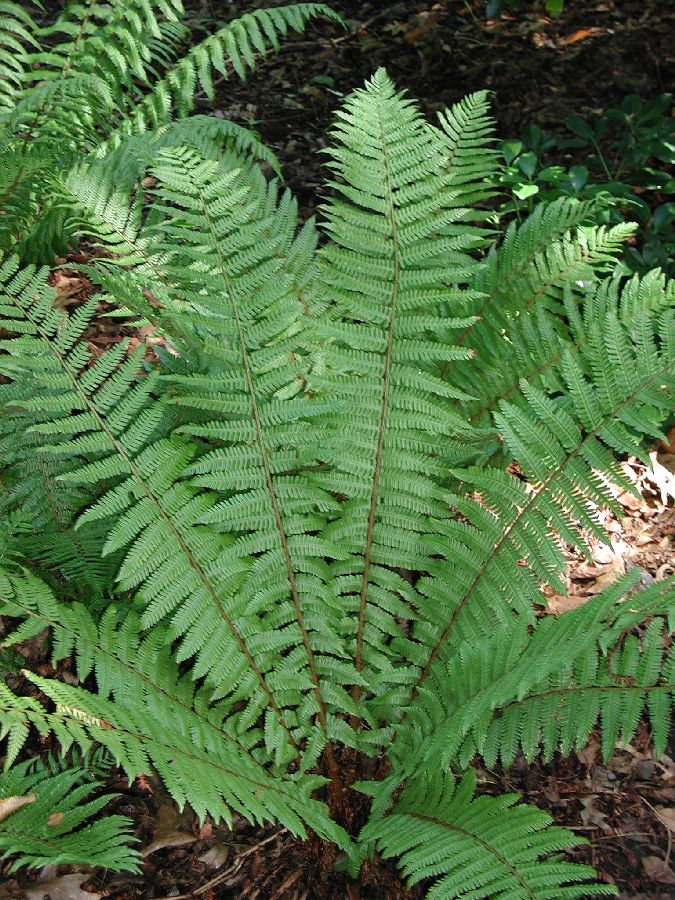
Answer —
628 153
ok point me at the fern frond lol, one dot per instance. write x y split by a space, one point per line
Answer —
395 272
467 140
233 49
107 415
149 716
534 282
492 560
52 827
535 346
17 38
545 687
244 277
477 847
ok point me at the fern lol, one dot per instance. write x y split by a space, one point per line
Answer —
438 828
99 73
49 824
319 562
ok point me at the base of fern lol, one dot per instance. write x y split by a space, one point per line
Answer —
305 869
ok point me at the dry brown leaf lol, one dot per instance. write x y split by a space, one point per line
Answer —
656 869
590 754
173 839
667 816
579 35
169 831
8 805
55 819
590 814
216 856
65 887
67 286
558 604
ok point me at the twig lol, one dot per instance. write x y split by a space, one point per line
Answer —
221 876
669 830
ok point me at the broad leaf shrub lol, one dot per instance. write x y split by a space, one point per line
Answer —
628 153
314 580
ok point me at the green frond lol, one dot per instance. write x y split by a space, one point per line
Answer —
544 687
216 594
490 562
228 248
395 271
101 72
530 283
233 50
17 38
467 141
475 847
149 716
299 502
51 826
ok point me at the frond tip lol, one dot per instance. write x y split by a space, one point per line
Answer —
49 822
479 846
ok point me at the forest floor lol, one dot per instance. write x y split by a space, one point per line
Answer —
540 70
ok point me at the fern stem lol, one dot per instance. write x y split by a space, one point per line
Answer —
507 392
48 102
368 553
601 688
260 439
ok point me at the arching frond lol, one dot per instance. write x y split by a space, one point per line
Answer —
148 715
50 822
545 687
395 272
479 846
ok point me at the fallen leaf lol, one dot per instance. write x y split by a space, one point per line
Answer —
418 34
662 478
205 831
667 816
558 604
65 887
173 839
67 287
656 869
590 754
590 814
8 805
215 856
579 35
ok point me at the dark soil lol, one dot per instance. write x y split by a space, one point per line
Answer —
540 69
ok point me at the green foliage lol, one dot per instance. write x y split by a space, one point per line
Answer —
494 8
439 829
312 550
50 822
103 71
629 154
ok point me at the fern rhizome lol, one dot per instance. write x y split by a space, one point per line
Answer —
297 553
